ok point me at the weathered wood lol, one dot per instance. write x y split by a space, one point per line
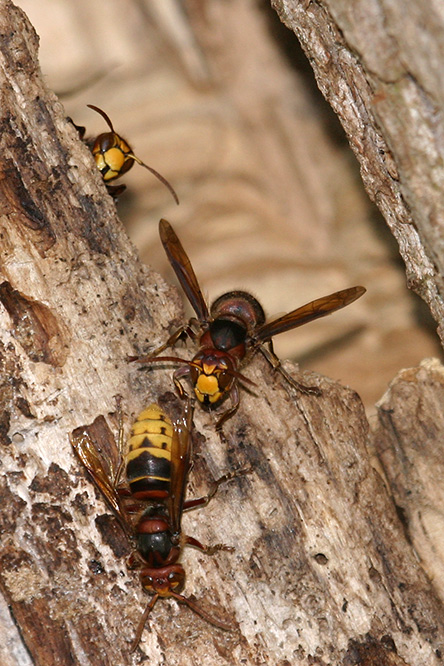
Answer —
408 439
258 160
379 64
322 572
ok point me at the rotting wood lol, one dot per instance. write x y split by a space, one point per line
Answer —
322 572
408 440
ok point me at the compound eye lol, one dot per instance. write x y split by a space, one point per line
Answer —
175 580
194 374
224 380
147 583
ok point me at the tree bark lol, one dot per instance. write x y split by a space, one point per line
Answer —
323 572
408 442
379 64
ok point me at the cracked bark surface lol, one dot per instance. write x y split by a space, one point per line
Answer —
323 572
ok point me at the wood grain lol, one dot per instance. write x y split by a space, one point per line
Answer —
323 572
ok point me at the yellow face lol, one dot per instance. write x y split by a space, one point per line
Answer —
207 388
114 159
212 379
111 155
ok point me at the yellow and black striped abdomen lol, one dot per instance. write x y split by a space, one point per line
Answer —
148 462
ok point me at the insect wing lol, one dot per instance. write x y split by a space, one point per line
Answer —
88 455
181 264
180 465
309 312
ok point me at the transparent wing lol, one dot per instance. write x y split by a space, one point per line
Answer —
309 312
180 466
181 264
100 467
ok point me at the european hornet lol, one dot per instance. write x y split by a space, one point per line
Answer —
150 503
230 332
114 156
